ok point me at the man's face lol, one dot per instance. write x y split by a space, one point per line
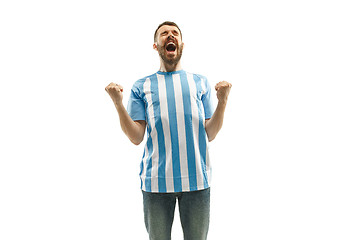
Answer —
169 44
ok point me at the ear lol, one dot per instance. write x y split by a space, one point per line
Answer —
155 46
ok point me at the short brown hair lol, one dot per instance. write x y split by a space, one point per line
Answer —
169 24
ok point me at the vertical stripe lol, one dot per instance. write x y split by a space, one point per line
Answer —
190 150
172 119
143 167
203 91
142 171
195 122
164 113
202 133
180 119
161 163
152 141
207 161
149 148
208 165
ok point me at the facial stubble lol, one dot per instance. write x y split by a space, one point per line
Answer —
170 61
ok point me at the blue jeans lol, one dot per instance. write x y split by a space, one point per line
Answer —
194 209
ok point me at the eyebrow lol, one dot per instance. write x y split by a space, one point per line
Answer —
174 30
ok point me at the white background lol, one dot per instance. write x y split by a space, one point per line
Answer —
285 164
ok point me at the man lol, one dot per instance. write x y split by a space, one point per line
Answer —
175 108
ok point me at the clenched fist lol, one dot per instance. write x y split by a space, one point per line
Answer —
222 90
115 92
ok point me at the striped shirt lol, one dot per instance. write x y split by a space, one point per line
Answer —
175 106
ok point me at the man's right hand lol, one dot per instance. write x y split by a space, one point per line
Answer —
135 130
115 92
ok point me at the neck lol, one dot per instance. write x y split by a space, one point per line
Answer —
169 68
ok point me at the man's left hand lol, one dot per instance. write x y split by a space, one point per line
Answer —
222 91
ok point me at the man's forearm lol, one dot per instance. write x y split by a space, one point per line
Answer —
134 130
214 124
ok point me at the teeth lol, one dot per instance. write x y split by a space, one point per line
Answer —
170 46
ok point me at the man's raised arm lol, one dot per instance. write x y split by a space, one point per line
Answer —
214 124
134 130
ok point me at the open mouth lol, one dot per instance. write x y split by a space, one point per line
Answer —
170 47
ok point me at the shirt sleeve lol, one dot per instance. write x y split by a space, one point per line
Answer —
207 99
136 105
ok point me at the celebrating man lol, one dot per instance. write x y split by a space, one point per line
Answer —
175 108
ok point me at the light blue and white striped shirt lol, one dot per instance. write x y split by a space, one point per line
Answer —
175 106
